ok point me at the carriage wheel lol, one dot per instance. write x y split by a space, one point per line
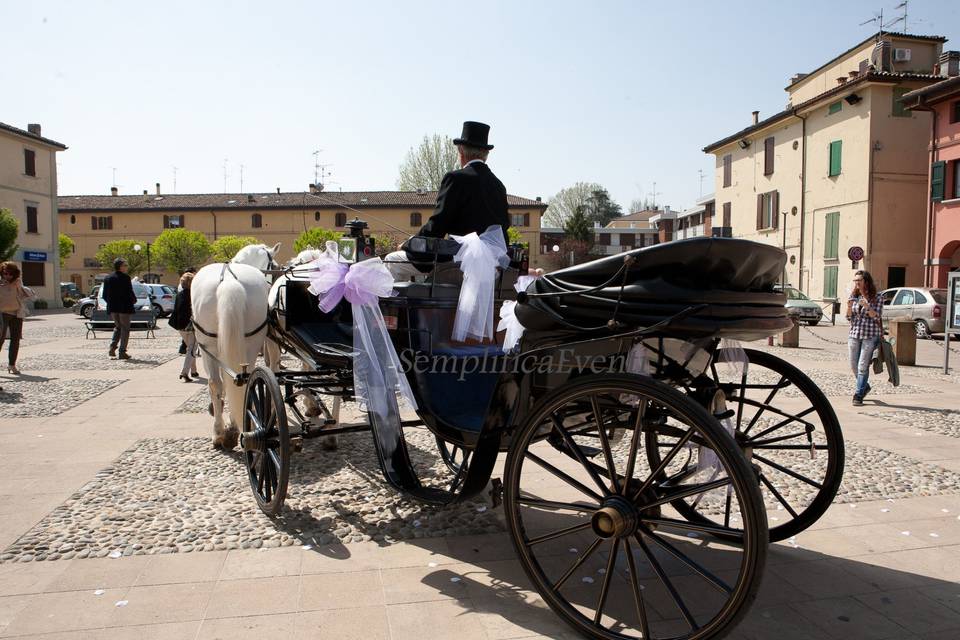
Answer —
266 441
788 430
593 526
454 456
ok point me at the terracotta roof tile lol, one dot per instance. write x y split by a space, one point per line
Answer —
26 134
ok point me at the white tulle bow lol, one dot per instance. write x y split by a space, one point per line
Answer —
479 256
508 316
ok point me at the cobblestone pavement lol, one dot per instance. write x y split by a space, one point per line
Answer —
945 422
93 362
29 397
832 383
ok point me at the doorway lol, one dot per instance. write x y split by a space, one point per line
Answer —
896 277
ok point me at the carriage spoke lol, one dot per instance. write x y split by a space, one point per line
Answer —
663 463
726 510
766 404
552 504
691 526
637 595
605 444
776 494
260 474
605 587
769 441
634 445
253 420
661 574
579 561
783 423
563 476
558 534
687 491
687 560
794 447
578 454
268 484
789 472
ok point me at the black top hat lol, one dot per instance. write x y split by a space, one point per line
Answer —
474 135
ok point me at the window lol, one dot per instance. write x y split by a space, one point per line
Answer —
956 178
727 170
899 109
768 204
836 149
519 219
32 274
887 296
32 219
835 107
830 281
937 176
30 162
256 221
101 222
831 236
316 216
919 298
904 297
726 214
340 220
768 156
174 222
416 219
73 219
955 112
896 276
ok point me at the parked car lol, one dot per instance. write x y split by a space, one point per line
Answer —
142 292
163 298
926 307
800 305
85 306
70 290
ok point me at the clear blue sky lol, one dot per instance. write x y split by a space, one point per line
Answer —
621 93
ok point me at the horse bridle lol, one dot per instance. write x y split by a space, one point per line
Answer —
223 272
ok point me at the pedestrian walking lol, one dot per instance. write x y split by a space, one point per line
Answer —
182 320
191 270
13 309
120 298
864 308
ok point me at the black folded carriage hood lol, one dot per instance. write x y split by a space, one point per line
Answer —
734 278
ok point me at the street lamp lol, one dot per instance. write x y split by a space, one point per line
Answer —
137 248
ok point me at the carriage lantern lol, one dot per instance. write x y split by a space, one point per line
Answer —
364 246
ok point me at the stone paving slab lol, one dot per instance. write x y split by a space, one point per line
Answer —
91 362
29 396
945 422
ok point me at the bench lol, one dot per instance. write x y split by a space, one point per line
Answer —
145 321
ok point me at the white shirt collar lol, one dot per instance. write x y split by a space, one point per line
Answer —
472 161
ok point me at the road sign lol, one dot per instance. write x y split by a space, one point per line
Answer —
855 253
34 256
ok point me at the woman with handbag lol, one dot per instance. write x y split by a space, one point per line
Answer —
13 309
864 308
182 320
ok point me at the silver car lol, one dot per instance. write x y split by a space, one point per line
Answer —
800 306
163 298
924 306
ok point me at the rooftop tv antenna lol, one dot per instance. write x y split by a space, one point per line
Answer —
241 178
654 195
225 175
901 18
878 19
174 179
700 173
317 167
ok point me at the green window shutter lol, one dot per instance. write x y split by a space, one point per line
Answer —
835 152
830 282
831 242
938 172
835 107
899 110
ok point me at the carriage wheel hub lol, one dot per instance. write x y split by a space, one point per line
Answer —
616 517
254 440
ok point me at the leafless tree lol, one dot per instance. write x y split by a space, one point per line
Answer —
563 205
425 166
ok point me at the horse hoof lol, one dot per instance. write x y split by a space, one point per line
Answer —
312 412
230 439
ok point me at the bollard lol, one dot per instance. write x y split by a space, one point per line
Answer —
791 337
903 336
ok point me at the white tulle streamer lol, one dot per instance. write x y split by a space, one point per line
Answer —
731 352
508 316
479 256
377 375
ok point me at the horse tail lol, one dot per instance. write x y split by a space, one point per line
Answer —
231 303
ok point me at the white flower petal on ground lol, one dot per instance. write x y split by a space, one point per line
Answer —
587 579
121 603
116 554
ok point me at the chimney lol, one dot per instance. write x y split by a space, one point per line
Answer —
144 192
313 188
250 198
278 190
538 199
797 77
756 117
158 188
34 129
113 191
949 64
853 74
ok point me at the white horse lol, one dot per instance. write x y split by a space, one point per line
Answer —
229 315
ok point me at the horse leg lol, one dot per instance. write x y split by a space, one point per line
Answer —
271 355
215 386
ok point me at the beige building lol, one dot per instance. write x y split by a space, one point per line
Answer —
842 167
625 233
92 221
28 187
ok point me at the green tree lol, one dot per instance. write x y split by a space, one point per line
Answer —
387 241
600 208
315 238
577 227
177 249
8 234
225 247
66 249
425 166
136 260
563 205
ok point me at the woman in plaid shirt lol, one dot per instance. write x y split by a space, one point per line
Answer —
864 308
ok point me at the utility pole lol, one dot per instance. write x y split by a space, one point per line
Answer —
241 178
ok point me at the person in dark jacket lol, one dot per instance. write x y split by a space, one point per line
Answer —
120 298
182 320
470 199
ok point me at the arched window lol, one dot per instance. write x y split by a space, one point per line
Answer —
416 219
73 219
340 220
316 216
256 221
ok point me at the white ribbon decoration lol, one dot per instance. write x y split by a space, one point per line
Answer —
479 256
508 316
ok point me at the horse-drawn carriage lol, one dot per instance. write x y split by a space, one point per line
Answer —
645 448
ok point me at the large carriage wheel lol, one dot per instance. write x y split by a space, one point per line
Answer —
592 522
266 441
788 430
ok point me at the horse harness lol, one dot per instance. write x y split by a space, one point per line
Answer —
248 334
